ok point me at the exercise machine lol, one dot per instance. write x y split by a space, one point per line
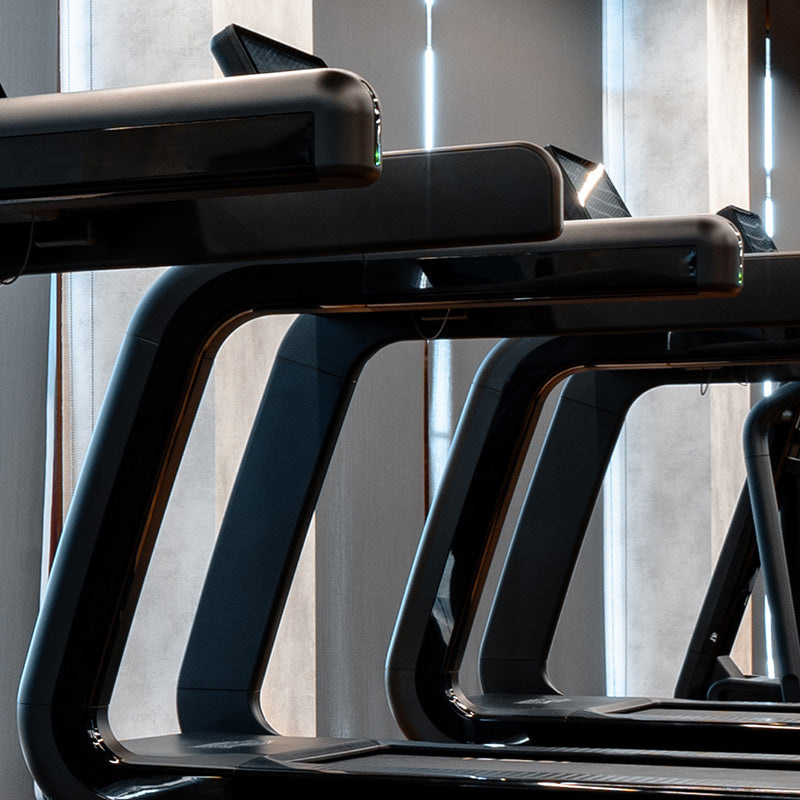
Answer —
317 365
503 284
102 558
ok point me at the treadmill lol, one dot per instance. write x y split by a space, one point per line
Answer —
518 699
95 581
111 529
515 663
509 665
518 703
103 556
302 411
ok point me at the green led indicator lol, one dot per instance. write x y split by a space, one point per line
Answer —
740 276
376 110
378 136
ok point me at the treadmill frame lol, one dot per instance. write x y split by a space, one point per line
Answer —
103 557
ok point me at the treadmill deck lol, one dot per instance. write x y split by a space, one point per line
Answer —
482 765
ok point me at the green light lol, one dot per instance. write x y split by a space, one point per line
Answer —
740 276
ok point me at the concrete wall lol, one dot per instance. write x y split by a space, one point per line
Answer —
677 119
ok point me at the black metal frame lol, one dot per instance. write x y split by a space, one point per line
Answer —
462 530
113 522
552 525
770 534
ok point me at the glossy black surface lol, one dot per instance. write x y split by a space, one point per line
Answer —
481 195
585 274
589 192
312 129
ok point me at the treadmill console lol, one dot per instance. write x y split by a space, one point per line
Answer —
310 129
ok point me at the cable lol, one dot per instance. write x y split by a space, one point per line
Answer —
429 337
9 281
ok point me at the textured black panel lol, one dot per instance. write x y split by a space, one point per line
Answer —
271 56
754 235
589 774
601 202
742 716
239 51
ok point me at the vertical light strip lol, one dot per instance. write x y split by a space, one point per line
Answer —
614 572
429 73
75 56
768 641
614 90
769 207
441 420
440 431
75 45
769 224
614 486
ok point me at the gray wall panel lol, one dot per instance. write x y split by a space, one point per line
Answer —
756 23
371 510
28 65
520 69
784 32
368 523
384 42
24 311
29 46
